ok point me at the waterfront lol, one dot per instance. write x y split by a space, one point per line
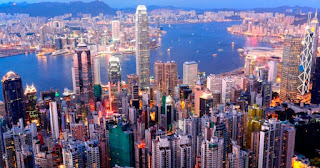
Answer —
188 42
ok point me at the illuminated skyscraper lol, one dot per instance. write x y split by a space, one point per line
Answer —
12 91
314 26
31 105
115 30
190 73
54 120
83 77
97 78
165 76
306 61
142 47
114 70
290 68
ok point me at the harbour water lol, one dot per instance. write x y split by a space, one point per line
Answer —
209 44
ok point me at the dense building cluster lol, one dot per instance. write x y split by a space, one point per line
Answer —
236 120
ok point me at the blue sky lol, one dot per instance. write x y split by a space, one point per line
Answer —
198 3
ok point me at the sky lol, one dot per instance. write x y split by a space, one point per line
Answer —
245 4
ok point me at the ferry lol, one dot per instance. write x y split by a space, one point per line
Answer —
168 50
214 55
60 52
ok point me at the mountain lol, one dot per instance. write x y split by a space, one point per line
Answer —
51 9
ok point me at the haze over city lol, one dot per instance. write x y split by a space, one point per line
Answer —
237 4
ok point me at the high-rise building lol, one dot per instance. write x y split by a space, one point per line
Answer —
161 152
287 143
238 158
290 68
212 152
114 70
97 78
54 124
12 91
132 79
269 147
142 47
190 73
82 73
165 76
121 145
175 151
315 92
18 148
214 83
276 146
227 84
31 105
273 71
92 154
314 27
73 154
116 30
306 61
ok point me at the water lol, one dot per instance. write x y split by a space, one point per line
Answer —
188 42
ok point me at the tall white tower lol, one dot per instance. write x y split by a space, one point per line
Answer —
142 47
190 73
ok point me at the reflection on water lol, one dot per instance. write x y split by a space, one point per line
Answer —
184 40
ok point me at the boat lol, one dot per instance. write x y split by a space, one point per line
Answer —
117 54
60 52
41 54
168 50
214 55
232 43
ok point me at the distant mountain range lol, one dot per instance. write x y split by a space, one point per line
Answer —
51 9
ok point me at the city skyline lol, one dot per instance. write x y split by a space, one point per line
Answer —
205 4
174 88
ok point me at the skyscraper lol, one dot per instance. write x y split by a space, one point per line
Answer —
315 92
190 73
12 91
114 70
83 78
92 154
290 68
273 71
132 79
276 146
269 148
165 76
306 61
238 158
116 30
54 120
142 47
97 78
212 152
31 105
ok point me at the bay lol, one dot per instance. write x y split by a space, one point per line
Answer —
187 42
